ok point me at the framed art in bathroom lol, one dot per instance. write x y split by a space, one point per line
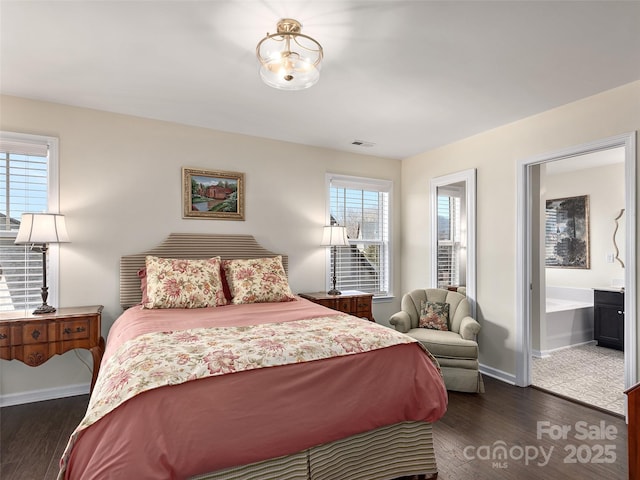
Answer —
567 232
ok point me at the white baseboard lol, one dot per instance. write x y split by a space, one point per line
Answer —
540 353
43 394
547 353
498 374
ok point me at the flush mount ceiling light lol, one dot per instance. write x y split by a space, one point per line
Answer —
288 59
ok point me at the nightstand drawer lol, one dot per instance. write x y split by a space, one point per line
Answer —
5 339
363 305
346 305
76 330
34 333
35 355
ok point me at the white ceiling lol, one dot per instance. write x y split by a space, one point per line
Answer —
585 161
407 76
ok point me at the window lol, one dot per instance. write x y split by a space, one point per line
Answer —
362 206
27 180
450 219
455 224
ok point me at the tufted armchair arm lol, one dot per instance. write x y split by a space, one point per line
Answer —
401 320
469 328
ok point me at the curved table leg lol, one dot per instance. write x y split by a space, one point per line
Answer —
97 353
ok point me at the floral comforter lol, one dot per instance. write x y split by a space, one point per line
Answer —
172 357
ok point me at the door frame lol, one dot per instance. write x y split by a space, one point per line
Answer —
525 244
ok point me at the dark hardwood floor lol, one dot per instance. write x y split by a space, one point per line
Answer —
33 436
527 420
522 420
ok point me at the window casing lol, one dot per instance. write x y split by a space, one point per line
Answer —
362 205
28 178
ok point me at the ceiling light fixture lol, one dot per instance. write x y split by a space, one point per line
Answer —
288 59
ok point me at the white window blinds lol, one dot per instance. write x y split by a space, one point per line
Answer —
24 180
362 206
448 240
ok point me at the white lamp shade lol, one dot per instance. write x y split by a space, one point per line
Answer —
334 236
42 228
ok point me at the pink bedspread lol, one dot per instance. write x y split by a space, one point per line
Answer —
217 422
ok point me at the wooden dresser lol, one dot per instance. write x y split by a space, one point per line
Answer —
352 302
34 339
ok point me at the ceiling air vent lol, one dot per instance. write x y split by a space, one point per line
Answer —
362 143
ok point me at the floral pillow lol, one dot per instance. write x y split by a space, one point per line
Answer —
182 283
434 315
142 275
257 280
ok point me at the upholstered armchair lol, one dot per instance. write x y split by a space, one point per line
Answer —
455 349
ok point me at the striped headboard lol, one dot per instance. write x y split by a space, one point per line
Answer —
188 245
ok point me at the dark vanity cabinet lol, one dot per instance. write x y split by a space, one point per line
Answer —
608 318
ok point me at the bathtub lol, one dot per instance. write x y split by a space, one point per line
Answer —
568 320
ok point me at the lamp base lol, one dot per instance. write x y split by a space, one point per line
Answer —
44 308
333 291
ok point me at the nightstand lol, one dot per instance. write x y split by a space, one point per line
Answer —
352 302
34 339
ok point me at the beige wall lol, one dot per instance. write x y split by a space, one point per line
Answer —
120 190
120 184
605 188
496 154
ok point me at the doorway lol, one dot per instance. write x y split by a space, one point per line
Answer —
579 200
530 273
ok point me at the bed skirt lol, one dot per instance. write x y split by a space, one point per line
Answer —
399 450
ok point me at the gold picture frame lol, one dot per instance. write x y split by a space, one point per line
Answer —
212 194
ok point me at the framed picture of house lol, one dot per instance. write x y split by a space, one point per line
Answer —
567 232
212 194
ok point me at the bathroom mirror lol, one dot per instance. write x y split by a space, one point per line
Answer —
453 232
618 238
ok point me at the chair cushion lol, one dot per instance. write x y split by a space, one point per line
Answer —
445 344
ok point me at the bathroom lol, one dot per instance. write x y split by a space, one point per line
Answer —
565 325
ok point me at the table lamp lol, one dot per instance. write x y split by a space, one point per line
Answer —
334 236
41 229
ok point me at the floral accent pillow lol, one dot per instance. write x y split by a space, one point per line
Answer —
182 283
434 315
257 280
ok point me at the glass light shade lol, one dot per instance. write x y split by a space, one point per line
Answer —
334 236
42 228
288 59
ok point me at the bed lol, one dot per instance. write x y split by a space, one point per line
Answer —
255 383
